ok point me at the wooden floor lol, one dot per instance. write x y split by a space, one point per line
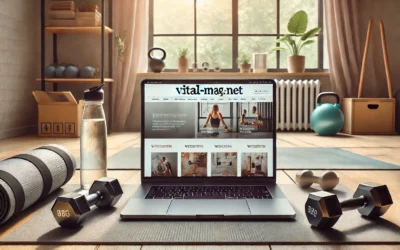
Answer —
384 148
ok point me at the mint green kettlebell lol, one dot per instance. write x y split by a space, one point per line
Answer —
327 119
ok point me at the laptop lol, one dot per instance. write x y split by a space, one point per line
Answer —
208 151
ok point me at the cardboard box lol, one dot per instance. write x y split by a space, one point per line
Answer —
369 116
59 114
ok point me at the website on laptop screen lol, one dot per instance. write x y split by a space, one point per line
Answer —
208 130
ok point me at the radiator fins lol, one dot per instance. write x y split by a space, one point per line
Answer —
295 100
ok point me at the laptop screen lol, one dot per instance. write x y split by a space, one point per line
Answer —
208 129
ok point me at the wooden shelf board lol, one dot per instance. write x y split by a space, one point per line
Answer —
234 74
77 30
75 80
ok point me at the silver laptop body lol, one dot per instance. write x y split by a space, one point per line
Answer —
208 151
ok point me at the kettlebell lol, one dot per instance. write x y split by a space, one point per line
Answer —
327 119
157 65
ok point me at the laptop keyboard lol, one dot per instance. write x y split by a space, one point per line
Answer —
208 192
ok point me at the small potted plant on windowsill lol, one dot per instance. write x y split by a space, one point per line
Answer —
244 63
297 26
183 63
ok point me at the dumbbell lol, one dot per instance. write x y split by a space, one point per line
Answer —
69 210
328 180
323 209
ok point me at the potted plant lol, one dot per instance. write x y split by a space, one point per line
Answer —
183 64
298 38
244 63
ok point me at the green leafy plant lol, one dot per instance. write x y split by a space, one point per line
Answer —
183 52
243 59
120 44
299 37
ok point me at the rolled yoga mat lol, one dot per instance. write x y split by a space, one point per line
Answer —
29 177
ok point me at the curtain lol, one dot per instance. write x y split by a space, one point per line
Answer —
129 17
344 50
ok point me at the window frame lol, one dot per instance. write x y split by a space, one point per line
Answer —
235 37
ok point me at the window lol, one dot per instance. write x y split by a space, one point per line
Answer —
218 31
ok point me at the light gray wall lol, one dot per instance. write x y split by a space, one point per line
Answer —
375 78
19 64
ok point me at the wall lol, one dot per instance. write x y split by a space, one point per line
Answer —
375 78
19 43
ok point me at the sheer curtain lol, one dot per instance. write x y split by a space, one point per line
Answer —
131 17
342 31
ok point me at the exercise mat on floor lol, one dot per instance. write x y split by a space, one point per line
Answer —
126 159
327 158
288 159
105 227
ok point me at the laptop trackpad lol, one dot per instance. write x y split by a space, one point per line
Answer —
208 207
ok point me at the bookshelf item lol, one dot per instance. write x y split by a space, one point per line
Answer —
77 30
61 22
88 15
61 14
66 5
75 80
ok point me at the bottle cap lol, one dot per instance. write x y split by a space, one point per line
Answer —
94 94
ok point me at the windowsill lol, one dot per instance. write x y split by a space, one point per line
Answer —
234 74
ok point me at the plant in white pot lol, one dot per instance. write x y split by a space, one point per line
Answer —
183 63
298 38
244 63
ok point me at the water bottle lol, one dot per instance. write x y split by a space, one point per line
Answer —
93 137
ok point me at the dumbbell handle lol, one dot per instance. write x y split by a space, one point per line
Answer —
353 203
92 199
314 179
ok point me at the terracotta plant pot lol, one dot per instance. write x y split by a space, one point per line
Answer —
245 67
296 64
183 65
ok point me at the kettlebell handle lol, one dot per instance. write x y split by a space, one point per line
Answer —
162 50
328 94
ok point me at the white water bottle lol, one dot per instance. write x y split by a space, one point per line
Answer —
93 137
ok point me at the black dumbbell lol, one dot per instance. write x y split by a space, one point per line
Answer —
69 210
323 209
328 180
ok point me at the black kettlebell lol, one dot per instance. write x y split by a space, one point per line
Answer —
157 65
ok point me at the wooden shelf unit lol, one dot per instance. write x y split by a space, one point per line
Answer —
77 30
102 31
75 80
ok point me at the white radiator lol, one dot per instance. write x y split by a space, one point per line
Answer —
295 100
